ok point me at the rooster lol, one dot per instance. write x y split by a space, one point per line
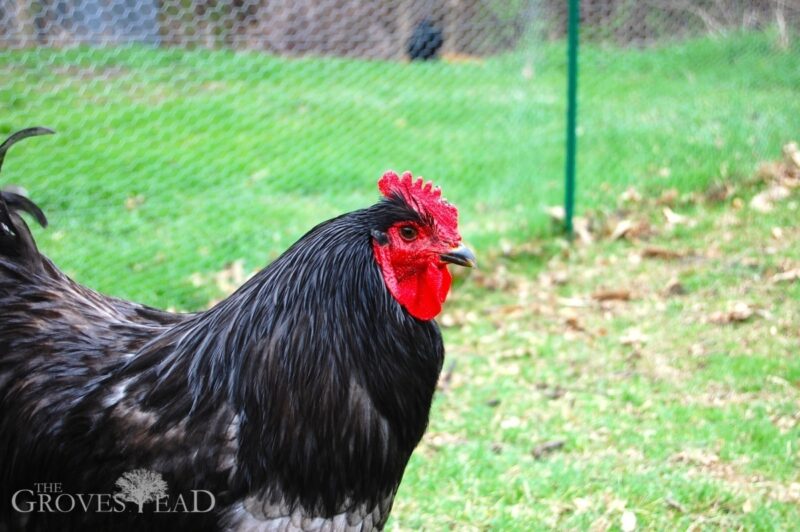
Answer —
295 403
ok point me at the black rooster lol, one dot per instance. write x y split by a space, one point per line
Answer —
294 404
425 41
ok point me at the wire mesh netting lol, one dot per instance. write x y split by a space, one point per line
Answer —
198 139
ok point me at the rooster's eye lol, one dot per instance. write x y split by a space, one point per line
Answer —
408 233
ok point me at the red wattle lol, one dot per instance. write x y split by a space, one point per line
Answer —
421 291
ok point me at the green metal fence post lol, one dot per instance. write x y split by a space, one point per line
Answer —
572 112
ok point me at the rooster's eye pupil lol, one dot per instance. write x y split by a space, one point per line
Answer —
408 232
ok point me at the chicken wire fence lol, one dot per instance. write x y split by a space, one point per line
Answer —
198 139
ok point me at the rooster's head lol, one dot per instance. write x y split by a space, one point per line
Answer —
413 252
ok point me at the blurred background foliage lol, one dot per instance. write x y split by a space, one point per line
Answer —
197 138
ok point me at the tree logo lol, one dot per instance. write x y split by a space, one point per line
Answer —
141 486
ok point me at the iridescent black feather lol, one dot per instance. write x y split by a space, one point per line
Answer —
297 401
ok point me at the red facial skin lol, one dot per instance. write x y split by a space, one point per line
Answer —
413 271
412 267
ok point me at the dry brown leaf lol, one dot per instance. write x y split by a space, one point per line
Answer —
556 213
787 276
627 522
699 457
622 228
654 252
548 447
765 201
718 192
460 58
668 197
674 288
447 320
675 505
791 154
739 312
612 295
582 228
572 302
633 336
673 218
582 504
574 323
631 195
438 440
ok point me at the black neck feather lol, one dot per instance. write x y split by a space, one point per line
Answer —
331 379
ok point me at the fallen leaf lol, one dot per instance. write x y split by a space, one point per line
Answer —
447 320
787 276
437 440
446 378
668 197
765 201
574 323
612 295
572 302
631 195
581 227
739 312
511 423
700 457
674 288
628 521
673 218
633 336
617 505
660 253
621 229
718 192
791 153
556 213
675 505
582 504
546 448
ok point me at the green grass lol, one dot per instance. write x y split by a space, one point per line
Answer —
697 424
223 155
171 164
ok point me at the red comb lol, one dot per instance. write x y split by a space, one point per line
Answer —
425 198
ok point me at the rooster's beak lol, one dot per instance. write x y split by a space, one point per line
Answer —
461 256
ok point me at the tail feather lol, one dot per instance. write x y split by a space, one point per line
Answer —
18 136
18 202
16 240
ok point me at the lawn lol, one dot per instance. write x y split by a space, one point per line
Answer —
649 379
171 164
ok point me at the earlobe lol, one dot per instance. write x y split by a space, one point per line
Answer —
380 237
